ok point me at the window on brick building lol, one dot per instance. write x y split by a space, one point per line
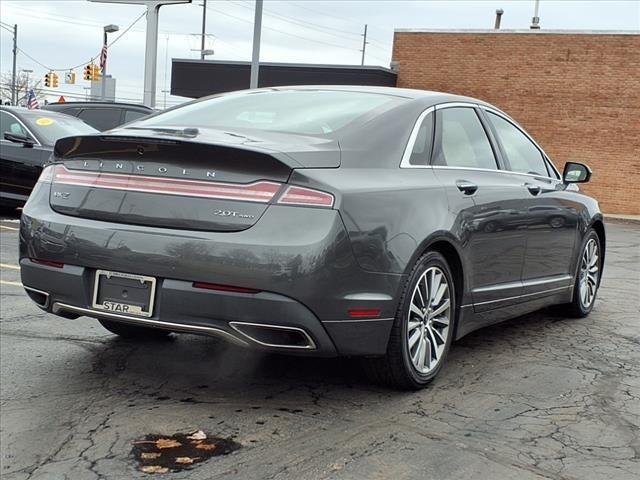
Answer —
522 154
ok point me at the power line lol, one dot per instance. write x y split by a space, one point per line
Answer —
283 33
92 58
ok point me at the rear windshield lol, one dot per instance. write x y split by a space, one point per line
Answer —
52 127
301 112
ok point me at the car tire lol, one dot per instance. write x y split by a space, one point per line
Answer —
134 332
579 308
398 367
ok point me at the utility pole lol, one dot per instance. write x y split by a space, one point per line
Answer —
14 85
204 28
364 43
106 30
255 57
14 93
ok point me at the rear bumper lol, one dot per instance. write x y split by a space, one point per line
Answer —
299 259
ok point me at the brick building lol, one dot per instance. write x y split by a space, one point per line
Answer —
577 93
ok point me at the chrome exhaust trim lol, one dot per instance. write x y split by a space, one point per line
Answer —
310 345
147 322
39 292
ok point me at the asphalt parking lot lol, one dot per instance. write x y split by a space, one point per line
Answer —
537 397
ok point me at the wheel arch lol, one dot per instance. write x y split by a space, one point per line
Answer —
447 247
598 226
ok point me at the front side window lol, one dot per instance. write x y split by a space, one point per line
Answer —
8 123
522 154
462 140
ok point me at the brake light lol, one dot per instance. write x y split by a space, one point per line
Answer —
48 263
224 288
306 196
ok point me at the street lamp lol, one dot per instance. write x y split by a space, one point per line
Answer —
107 29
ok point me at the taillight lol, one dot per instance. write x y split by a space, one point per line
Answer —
46 176
306 196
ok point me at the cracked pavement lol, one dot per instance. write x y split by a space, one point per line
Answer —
540 396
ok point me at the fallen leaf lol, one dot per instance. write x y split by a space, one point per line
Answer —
167 443
149 455
205 446
154 469
186 460
197 435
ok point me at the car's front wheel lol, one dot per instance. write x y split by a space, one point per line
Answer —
423 328
587 280
133 332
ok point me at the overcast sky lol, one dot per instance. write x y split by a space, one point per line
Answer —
60 34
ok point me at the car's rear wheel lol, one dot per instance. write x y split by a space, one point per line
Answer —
423 328
136 332
587 280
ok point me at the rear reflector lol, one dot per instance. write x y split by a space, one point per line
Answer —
364 313
48 263
260 192
306 196
224 288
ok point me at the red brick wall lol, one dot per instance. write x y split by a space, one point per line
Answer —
577 94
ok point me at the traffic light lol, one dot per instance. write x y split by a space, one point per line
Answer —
47 80
54 80
87 72
95 72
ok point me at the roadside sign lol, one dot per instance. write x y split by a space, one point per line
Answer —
61 99
70 77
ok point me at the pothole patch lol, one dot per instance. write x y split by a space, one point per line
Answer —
182 451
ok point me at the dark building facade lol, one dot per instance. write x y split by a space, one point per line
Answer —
198 78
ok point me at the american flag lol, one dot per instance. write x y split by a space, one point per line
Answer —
103 58
32 101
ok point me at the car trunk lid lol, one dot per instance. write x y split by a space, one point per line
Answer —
176 178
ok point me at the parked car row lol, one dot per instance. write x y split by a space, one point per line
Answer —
358 221
27 138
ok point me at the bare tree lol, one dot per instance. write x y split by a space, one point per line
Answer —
22 87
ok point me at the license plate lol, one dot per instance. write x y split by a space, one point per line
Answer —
124 293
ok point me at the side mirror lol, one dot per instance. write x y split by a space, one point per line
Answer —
575 172
17 138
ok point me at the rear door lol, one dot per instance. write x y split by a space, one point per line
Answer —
487 199
552 217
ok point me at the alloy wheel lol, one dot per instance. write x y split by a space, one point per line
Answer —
589 271
429 319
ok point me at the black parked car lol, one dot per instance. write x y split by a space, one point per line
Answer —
375 222
26 142
101 115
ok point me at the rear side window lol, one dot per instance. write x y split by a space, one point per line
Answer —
424 140
131 115
462 141
101 118
522 154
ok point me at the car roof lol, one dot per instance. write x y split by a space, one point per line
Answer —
36 112
99 104
425 97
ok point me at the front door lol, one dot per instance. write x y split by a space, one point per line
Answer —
552 218
489 200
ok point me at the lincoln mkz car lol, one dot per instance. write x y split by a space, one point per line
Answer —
355 221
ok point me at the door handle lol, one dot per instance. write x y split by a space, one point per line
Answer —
466 187
533 189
